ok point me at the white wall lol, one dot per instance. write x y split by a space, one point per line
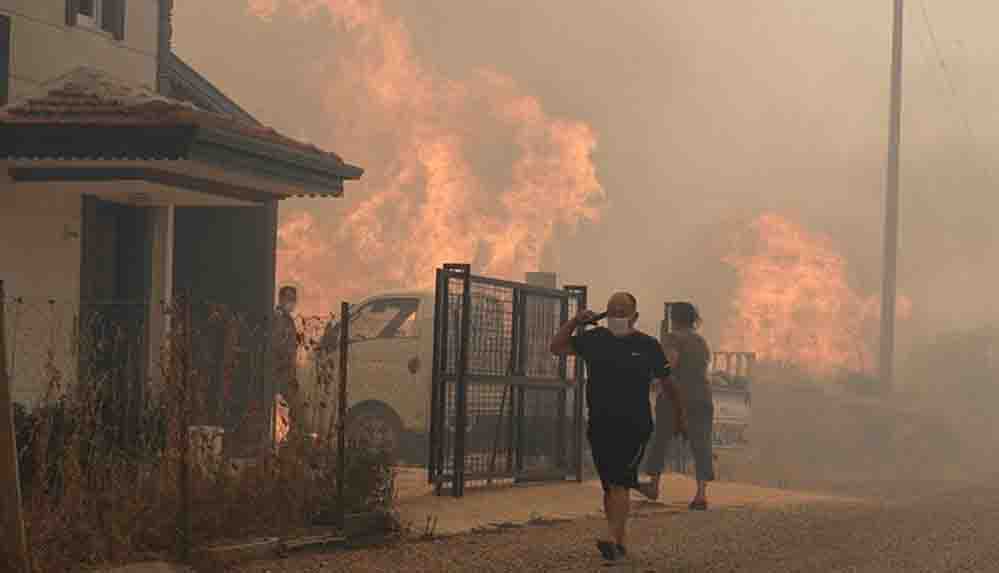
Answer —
39 262
162 289
40 225
44 48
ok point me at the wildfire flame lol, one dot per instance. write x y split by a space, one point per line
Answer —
469 170
794 303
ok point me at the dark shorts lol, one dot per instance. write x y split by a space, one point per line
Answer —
617 448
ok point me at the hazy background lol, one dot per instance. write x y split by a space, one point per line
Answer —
706 114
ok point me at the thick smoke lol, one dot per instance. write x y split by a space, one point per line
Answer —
710 116
706 114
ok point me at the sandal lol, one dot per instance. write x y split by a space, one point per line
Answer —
698 504
608 550
650 489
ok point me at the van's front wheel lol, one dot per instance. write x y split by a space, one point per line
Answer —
376 429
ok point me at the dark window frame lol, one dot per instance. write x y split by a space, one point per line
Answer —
110 15
5 58
408 309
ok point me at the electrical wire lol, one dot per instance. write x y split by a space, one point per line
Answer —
942 63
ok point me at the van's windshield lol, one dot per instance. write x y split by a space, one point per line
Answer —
382 318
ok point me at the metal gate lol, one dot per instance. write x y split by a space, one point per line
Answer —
502 407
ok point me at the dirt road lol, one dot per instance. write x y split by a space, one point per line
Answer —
929 527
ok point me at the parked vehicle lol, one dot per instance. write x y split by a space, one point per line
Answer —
731 388
390 365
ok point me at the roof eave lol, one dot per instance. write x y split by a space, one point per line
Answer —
211 97
317 175
304 175
41 139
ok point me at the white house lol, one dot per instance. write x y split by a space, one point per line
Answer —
125 176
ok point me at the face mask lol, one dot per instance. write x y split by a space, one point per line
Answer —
619 326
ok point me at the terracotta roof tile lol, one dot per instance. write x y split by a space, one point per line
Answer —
87 96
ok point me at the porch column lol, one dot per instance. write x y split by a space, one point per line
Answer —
161 287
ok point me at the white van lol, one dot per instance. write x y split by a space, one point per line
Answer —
389 368
390 365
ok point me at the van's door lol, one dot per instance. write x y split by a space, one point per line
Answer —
385 362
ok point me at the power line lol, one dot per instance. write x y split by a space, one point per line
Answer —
930 61
942 63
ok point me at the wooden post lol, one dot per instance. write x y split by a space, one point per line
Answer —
14 540
886 356
184 525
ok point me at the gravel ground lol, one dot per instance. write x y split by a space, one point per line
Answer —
931 527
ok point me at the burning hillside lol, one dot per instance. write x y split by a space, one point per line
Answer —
794 303
469 169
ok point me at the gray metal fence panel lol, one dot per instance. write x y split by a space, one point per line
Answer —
502 405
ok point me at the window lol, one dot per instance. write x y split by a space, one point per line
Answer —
89 13
387 318
105 15
390 318
4 58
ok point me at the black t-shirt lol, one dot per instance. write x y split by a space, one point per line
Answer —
620 372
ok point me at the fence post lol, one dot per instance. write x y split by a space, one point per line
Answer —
442 445
461 390
14 541
184 516
580 292
435 466
341 438
519 404
562 393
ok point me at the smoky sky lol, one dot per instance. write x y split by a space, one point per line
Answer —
707 114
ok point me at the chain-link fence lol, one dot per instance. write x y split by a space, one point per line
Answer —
150 427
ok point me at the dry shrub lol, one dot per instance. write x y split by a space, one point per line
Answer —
101 489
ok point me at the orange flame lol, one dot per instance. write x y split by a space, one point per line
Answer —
469 170
794 303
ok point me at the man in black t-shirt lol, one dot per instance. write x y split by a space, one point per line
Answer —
622 363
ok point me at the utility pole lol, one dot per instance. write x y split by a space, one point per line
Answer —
13 540
890 255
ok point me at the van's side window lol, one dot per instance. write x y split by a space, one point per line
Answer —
386 318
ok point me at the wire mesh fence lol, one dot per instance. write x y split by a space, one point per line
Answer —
161 427
206 422
502 405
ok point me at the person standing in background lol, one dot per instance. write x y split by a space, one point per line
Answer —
284 343
689 357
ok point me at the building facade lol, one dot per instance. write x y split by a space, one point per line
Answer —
126 178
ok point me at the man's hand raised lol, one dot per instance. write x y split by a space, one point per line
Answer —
561 345
585 316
